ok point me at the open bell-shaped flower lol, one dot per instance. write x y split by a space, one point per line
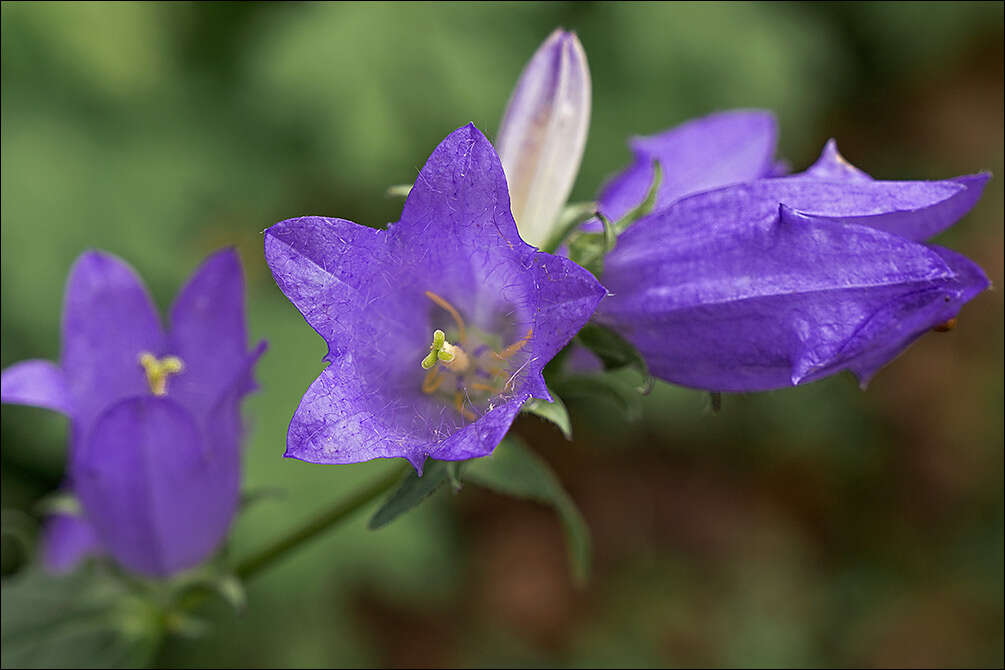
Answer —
155 429
438 328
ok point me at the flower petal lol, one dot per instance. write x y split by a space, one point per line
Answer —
720 294
108 321
365 291
37 383
67 540
208 332
159 498
915 223
699 155
543 134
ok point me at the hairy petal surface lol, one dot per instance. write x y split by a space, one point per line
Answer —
699 155
108 321
364 291
543 134
731 292
159 496
36 383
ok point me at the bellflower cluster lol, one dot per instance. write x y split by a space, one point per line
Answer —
437 328
742 279
155 428
775 282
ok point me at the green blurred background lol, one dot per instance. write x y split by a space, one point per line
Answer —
817 526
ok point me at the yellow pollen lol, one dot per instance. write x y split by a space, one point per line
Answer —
158 370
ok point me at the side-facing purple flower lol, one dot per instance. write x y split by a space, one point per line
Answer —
698 155
777 282
453 270
543 134
155 425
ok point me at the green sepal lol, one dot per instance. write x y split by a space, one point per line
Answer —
554 411
647 204
570 219
588 249
515 470
615 352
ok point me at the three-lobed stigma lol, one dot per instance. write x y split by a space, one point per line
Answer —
158 370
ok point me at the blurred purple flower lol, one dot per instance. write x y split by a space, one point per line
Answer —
454 270
543 134
777 282
155 424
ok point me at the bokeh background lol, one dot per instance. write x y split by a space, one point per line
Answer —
813 526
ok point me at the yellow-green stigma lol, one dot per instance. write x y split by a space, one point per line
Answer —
441 351
158 369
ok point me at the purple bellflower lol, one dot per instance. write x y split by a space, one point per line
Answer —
453 271
543 134
155 427
768 283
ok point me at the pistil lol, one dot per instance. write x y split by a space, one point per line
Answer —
158 370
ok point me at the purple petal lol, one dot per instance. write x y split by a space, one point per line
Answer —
67 540
832 166
702 154
208 333
158 495
364 291
36 383
719 293
108 321
892 330
543 134
916 221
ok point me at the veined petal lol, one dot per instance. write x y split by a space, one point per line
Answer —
67 540
368 293
699 155
543 134
159 499
108 321
915 223
721 293
208 332
37 383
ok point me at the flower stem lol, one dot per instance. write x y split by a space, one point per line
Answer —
343 509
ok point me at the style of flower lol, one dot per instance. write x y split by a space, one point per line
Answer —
776 282
155 428
453 270
543 134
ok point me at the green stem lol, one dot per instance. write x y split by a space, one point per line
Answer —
345 508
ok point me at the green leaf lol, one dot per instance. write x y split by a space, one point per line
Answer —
607 388
81 620
615 352
412 491
251 497
647 204
554 412
515 470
